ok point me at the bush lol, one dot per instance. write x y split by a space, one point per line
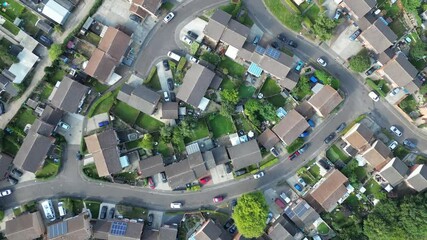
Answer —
360 62
379 86
181 64
211 58
151 74
295 145
194 48
55 51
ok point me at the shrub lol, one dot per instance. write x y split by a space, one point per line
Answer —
151 74
360 62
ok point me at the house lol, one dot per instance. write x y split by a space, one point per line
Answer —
141 98
148 6
305 109
377 155
327 193
114 43
168 232
359 8
77 227
55 12
282 229
325 101
5 163
179 174
290 127
70 95
197 164
244 154
220 155
7 86
122 230
51 115
268 139
359 136
195 83
100 66
27 60
417 178
105 153
27 226
399 71
394 172
151 166
169 110
378 36
139 11
211 231
44 26
302 214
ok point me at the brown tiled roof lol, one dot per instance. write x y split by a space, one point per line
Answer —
170 110
69 95
245 154
217 25
268 139
278 68
114 43
235 34
195 83
360 7
290 81
394 171
179 174
168 232
151 6
42 128
379 36
290 127
326 100
211 231
386 56
358 136
26 226
377 155
327 194
138 11
141 98
151 166
278 232
197 164
399 70
100 65
305 109
78 227
417 179
33 151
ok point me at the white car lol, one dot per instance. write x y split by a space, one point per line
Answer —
374 96
259 175
168 17
393 145
193 59
5 192
176 205
187 40
396 131
64 125
394 91
322 62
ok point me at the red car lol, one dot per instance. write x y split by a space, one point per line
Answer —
218 199
204 180
294 155
151 183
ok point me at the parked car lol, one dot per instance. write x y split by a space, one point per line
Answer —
164 178
151 183
282 37
64 125
2 109
218 199
187 40
111 213
274 151
192 35
408 143
79 156
304 134
269 218
311 123
394 91
338 13
371 70
293 44
396 131
299 66
166 96
256 40
204 180
228 168
322 62
324 164
341 127
285 197
16 172
275 45
45 40
374 96
5 192
233 229
166 65
193 59
329 138
176 205
135 18
103 123
150 219
233 204
294 155
393 145
168 17
259 175
302 149
298 187
12 180
240 172
229 223
103 214
171 85
300 180
355 34
172 97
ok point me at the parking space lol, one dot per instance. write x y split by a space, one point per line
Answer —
157 219
296 185
255 31
270 196
330 6
196 26
343 46
135 81
219 174
74 134
109 212
163 75
92 123
159 183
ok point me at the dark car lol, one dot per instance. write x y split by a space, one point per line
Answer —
355 34
12 180
274 151
408 143
79 156
111 213
166 65
240 172
45 40
135 18
164 178
329 138
172 96
150 219
292 44
17 172
171 85
371 70
233 229
282 37
341 127
233 204
229 223
303 148
192 34
2 110
324 164
311 123
275 45
228 168
294 155
103 214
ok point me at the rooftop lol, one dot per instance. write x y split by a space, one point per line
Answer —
290 127
244 154
69 95
325 101
379 36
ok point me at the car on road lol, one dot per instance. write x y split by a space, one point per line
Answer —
396 131
341 127
294 155
299 66
394 91
6 192
300 180
151 183
330 137
298 187
168 17
166 65
338 13
111 213
218 199
374 96
171 85
393 145
187 40
150 219
233 229
269 218
103 214
16 172
135 18
355 34
229 223
408 143
322 62
293 44
176 205
192 35
259 175
275 45
274 151
240 172
12 180
204 180
302 149
282 37
64 125
2 110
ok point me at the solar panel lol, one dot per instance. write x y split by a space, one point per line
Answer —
57 229
301 209
118 228
273 53
259 49
289 212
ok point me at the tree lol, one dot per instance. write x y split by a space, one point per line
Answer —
226 110
166 133
411 5
323 27
302 88
258 111
185 129
423 89
360 62
230 96
55 51
250 214
147 142
418 50
177 136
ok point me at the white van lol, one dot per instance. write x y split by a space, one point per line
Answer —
48 210
285 198
174 56
61 209
176 205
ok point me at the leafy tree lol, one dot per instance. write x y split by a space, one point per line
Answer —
55 51
411 5
185 129
250 214
360 62
226 110
177 136
418 50
230 96
166 133
147 142
323 27
302 88
423 89
258 111
211 58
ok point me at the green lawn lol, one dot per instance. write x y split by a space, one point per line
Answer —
234 69
13 10
90 171
360 173
148 123
11 27
93 206
401 152
103 104
227 84
58 75
334 154
277 100
281 12
313 12
270 88
99 87
398 28
10 146
47 90
167 6
131 212
295 145
77 206
164 149
29 22
372 187
315 171
323 228
221 126
25 116
242 123
125 112
409 104
246 91
380 86
154 83
50 169
199 132
92 38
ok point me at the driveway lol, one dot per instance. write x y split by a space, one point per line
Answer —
91 124
163 76
197 25
343 46
74 134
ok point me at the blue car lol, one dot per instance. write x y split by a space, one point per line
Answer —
304 134
311 123
299 66
103 123
314 79
298 187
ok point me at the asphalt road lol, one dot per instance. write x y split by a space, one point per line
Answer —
70 183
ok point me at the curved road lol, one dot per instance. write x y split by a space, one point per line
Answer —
70 183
